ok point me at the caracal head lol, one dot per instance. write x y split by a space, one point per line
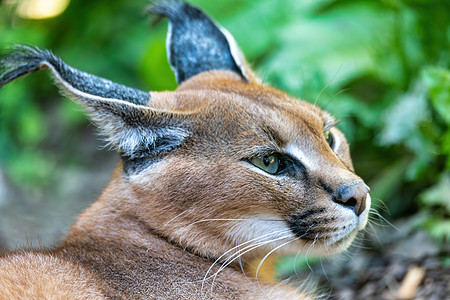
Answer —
258 169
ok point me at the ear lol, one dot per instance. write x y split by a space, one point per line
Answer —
118 111
196 44
24 60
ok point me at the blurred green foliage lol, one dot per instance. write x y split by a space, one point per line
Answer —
381 67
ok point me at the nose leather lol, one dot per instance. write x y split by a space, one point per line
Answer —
353 196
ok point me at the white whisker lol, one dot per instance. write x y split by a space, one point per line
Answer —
249 248
299 251
327 86
267 255
309 248
236 247
376 213
382 206
210 220
323 270
175 217
295 260
243 251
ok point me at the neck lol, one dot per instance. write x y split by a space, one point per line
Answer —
118 217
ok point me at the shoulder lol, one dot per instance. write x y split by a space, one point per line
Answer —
25 275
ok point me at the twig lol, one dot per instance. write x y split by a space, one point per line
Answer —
410 283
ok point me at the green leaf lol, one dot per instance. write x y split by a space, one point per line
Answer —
291 264
154 68
437 81
445 147
402 120
384 185
438 194
439 229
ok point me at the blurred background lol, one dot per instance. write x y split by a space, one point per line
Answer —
381 67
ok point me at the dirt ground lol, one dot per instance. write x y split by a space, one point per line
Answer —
39 216
390 263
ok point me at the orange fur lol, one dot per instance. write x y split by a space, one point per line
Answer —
182 222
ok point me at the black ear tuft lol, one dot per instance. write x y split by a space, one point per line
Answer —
23 60
195 43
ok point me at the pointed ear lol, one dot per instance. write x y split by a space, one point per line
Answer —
196 44
23 60
118 111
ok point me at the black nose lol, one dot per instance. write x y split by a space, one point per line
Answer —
353 196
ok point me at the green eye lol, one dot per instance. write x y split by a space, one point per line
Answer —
269 163
329 137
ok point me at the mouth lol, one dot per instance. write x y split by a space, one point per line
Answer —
324 244
310 225
321 227
326 235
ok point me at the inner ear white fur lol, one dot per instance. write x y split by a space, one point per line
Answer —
235 51
168 39
136 141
